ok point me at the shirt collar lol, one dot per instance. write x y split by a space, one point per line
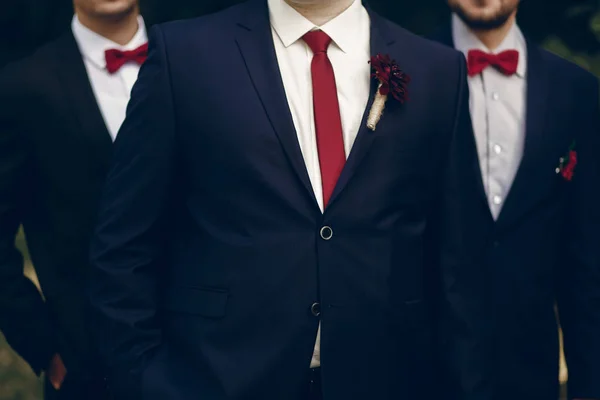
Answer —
290 25
465 40
93 45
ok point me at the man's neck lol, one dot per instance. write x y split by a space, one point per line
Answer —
319 12
492 38
119 29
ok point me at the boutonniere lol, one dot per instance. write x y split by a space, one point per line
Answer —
567 165
392 81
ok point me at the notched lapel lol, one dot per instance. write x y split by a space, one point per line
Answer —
74 78
255 41
523 191
381 40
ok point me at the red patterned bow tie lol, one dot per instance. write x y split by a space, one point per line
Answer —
115 59
505 62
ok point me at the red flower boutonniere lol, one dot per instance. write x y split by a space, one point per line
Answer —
392 81
568 163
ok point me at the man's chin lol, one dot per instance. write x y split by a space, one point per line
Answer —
115 11
481 22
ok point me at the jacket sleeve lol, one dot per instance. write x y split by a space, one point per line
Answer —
579 286
24 318
130 234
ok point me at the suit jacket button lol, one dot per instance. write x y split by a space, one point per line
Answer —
315 309
326 233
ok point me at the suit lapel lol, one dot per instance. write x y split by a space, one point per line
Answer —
73 77
381 39
535 127
255 41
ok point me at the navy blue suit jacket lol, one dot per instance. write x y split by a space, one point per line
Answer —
500 329
208 255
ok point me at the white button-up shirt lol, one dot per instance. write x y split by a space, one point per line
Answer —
349 53
112 91
497 104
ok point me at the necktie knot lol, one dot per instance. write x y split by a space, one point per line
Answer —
318 41
506 61
115 58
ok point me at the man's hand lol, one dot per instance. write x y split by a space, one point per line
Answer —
56 372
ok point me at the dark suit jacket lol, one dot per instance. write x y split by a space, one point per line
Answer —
500 325
54 154
208 254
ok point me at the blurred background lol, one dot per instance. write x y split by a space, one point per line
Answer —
569 28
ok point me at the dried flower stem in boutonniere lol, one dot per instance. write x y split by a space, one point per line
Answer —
392 81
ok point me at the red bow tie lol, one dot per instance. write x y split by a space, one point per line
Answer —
505 62
115 59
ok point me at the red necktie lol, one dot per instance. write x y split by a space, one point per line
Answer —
328 122
115 59
505 62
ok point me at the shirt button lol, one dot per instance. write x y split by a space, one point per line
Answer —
497 149
326 233
495 96
497 200
315 309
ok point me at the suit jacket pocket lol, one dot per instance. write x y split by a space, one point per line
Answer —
203 301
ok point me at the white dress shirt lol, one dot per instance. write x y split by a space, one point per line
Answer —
497 104
112 91
349 53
